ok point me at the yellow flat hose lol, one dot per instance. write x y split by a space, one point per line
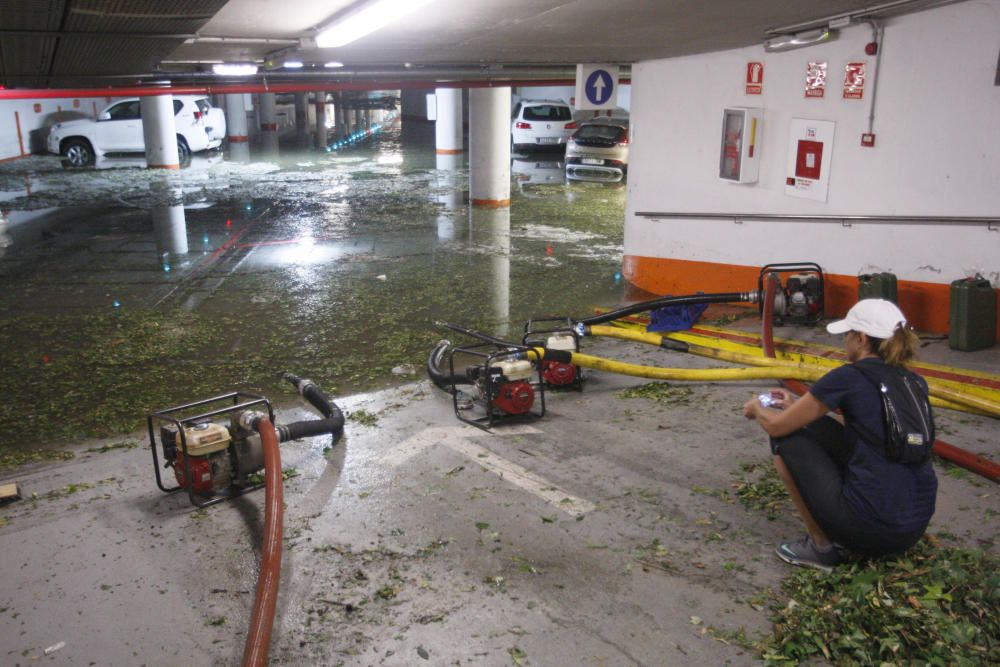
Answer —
689 374
968 388
941 396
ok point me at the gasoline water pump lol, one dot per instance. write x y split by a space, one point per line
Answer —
505 387
558 333
799 300
213 446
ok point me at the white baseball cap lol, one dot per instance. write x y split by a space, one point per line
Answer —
876 317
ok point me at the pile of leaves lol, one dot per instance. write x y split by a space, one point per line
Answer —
662 392
759 488
931 606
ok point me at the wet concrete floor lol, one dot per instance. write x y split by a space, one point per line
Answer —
607 532
128 290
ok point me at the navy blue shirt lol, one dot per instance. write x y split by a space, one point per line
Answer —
886 494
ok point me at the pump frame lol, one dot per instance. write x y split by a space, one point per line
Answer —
491 417
168 416
535 337
790 267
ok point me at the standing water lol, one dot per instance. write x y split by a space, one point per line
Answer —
127 290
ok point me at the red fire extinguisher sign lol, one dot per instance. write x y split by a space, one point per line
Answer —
755 78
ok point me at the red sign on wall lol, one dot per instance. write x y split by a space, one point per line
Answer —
854 81
755 78
815 79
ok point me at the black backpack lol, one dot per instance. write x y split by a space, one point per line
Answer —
906 414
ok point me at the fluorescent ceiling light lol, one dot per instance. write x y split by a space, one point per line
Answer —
367 19
334 63
800 39
293 64
234 69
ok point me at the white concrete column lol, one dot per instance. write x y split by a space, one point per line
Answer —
368 119
358 123
159 131
448 126
489 147
268 124
301 121
236 128
341 117
321 140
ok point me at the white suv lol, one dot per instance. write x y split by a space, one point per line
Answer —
118 129
540 124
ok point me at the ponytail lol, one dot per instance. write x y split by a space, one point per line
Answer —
899 350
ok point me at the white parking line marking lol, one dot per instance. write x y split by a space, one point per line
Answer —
457 439
522 477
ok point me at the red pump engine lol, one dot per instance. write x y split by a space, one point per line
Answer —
515 398
510 381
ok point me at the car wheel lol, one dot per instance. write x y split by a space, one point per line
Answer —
183 152
78 153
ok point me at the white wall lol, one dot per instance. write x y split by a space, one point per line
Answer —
937 153
35 124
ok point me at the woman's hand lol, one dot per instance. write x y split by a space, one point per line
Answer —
751 407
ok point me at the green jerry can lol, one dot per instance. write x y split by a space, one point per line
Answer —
877 286
973 323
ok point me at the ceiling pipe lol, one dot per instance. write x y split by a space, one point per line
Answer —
267 87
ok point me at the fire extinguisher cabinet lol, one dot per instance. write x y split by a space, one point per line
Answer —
973 324
877 286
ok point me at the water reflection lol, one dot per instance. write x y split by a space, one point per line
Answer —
490 229
537 171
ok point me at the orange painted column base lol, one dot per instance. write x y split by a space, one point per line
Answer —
491 203
448 151
926 304
163 166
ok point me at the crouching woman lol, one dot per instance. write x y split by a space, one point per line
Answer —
847 490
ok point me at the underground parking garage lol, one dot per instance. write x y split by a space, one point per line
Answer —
312 355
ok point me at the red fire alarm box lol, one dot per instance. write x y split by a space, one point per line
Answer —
739 156
808 159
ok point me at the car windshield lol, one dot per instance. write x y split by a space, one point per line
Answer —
547 112
203 105
610 132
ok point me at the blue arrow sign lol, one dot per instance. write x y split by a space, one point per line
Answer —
599 86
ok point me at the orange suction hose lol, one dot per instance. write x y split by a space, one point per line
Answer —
266 598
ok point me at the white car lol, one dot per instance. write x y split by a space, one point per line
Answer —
118 129
598 151
540 124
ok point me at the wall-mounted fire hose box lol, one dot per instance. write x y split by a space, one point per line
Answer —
877 286
973 314
739 152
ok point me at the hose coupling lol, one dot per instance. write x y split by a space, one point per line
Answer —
581 329
249 419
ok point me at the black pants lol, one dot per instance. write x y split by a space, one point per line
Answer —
817 458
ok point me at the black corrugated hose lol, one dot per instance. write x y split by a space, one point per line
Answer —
333 418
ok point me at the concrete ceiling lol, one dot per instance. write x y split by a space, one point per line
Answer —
62 42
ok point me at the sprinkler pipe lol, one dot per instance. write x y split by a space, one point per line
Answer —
258 640
961 457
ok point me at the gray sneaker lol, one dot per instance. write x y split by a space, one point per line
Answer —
804 552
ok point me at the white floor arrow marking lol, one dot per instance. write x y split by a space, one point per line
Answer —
457 439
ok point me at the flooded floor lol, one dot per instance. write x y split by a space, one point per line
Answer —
128 290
